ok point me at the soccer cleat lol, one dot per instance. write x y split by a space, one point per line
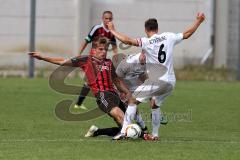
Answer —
83 107
163 120
80 107
145 130
91 131
119 136
149 137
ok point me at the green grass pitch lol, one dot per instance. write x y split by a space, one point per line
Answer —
204 124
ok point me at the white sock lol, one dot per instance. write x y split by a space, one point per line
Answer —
140 121
129 116
155 121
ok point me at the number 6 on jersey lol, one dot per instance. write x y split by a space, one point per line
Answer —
161 54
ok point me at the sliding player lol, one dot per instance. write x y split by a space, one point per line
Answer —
101 78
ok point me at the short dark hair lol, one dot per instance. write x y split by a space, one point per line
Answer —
100 40
105 12
151 24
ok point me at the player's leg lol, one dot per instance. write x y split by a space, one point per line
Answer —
129 116
84 92
117 114
165 90
107 131
140 122
156 116
138 117
141 94
109 103
94 131
163 119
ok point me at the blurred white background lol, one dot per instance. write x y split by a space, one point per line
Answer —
61 26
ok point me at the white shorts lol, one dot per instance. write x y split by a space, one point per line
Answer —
157 90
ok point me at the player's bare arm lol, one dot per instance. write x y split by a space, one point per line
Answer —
121 86
121 37
115 50
83 46
119 83
199 19
53 60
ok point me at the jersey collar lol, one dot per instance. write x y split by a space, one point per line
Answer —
153 35
104 27
98 60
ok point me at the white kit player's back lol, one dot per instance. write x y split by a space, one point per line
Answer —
159 55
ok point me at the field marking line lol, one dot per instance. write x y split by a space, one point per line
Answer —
109 140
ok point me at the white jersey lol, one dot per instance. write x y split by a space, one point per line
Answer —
159 55
130 69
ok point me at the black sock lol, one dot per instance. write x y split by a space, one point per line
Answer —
107 131
80 100
84 92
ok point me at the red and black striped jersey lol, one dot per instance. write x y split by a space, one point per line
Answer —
98 72
100 30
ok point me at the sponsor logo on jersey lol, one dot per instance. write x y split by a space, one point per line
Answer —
101 68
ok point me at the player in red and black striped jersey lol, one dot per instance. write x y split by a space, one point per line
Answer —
98 72
101 30
101 76
97 30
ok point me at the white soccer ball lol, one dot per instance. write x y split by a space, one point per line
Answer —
133 131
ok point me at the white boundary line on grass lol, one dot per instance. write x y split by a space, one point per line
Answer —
109 140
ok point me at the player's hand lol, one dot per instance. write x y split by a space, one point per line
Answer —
128 95
110 26
35 55
201 17
123 97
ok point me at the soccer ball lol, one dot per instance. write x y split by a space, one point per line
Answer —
133 131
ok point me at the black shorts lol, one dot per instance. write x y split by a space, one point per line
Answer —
107 100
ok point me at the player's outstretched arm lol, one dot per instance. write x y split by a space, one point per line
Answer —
199 19
121 37
53 60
